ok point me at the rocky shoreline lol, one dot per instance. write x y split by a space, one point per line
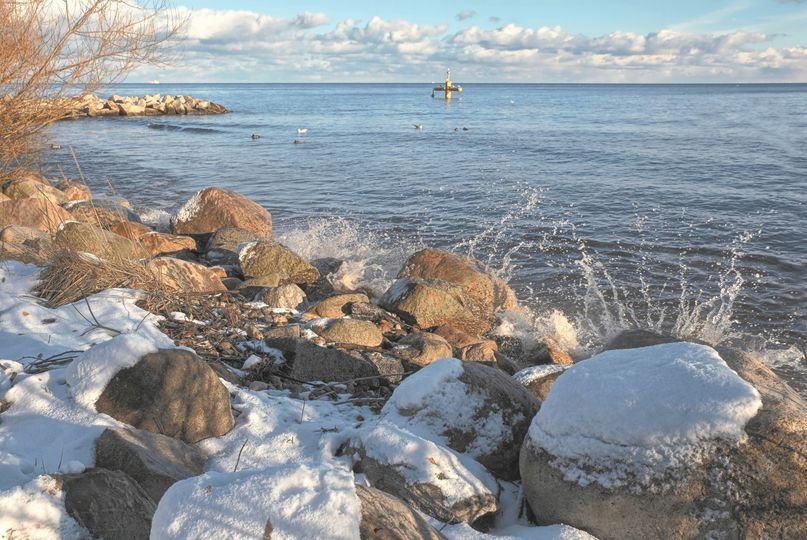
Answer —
378 410
91 105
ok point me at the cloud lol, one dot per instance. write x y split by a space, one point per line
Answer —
494 19
465 14
235 45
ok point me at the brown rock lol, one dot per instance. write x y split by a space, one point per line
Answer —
547 351
158 243
102 212
214 208
269 258
37 213
483 351
130 229
91 239
109 504
154 461
171 392
349 331
178 275
4 197
26 189
17 234
25 244
222 246
75 191
430 347
288 296
384 517
333 307
315 363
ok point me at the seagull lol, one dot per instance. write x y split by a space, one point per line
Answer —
301 131
418 126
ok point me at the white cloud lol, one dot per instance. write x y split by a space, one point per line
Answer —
247 46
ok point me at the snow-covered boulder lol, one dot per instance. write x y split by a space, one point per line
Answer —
168 391
385 516
432 478
286 501
669 441
472 408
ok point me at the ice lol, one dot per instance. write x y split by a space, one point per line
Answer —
642 413
534 373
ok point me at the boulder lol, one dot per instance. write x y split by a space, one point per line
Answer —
26 189
102 212
384 517
183 276
37 213
547 351
109 504
17 234
432 303
131 109
154 461
348 331
91 239
171 392
539 379
157 243
469 407
21 253
25 244
130 229
267 258
288 296
445 485
222 246
213 208
4 197
670 440
429 347
74 191
334 306
315 363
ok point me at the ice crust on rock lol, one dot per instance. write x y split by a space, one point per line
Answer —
634 416
298 500
531 374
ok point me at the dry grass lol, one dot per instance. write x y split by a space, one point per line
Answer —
70 276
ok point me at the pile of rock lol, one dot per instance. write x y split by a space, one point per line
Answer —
148 105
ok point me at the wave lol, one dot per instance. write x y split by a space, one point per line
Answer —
189 129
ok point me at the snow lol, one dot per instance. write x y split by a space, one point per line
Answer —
300 501
89 374
636 415
36 511
463 531
420 461
531 374
434 401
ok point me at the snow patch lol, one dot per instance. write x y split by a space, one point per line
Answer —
463 531
36 511
636 415
531 374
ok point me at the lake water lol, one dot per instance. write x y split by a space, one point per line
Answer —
677 208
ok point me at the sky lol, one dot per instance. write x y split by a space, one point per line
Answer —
530 41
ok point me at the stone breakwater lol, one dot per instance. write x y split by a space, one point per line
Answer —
148 105
285 378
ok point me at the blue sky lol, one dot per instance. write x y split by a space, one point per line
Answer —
513 41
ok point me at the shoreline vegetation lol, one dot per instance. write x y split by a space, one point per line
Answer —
204 380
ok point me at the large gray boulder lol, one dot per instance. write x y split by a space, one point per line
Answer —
469 407
171 392
672 440
154 461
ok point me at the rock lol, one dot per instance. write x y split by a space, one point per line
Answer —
288 296
539 379
456 337
634 339
25 244
102 212
384 517
743 476
222 246
129 229
490 293
214 208
183 276
483 351
547 351
4 197
17 234
26 189
447 486
131 109
315 363
171 392
430 347
490 424
334 306
152 460
109 504
348 331
21 253
36 213
75 191
158 243
91 239
27 174
328 268
434 303
232 283
269 258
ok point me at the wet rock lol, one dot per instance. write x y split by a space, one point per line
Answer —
334 306
214 208
267 258
109 504
178 275
350 331
36 213
154 461
91 239
171 392
384 517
